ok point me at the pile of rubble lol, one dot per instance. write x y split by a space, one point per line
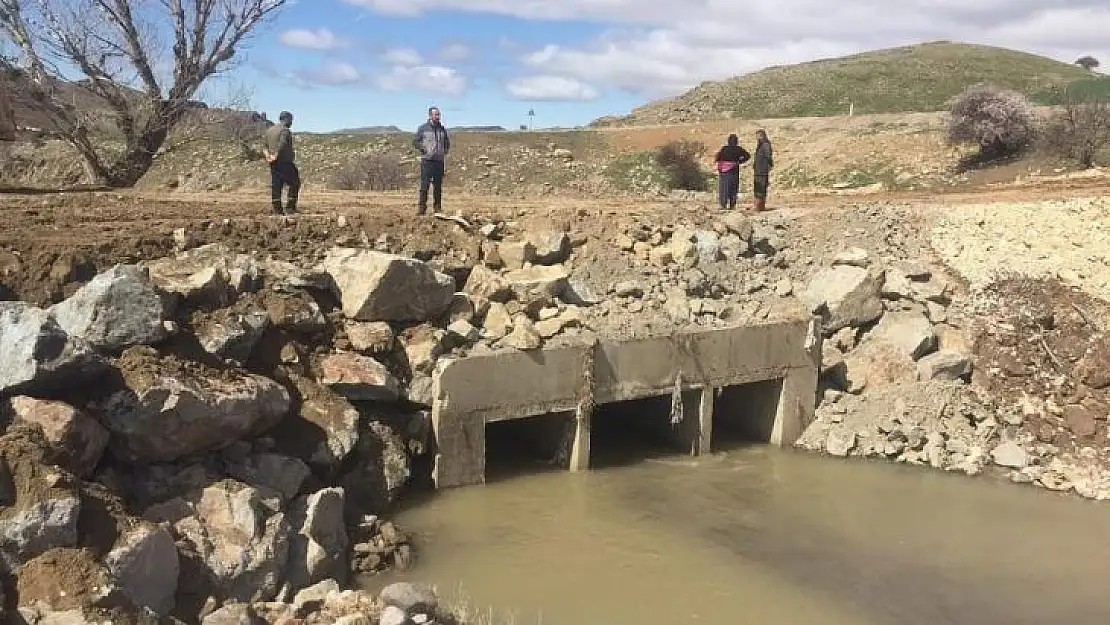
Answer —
216 429
906 376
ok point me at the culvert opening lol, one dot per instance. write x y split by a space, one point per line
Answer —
629 432
745 415
529 445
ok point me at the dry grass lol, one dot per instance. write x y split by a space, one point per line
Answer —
465 612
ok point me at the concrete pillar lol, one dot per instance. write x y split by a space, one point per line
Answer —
705 420
460 448
798 401
580 449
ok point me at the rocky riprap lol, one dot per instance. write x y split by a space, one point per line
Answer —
211 437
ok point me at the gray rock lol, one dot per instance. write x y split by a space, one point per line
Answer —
233 537
210 274
392 615
910 332
579 293
144 564
38 528
628 289
315 594
524 336
232 336
551 280
318 547
840 443
1010 455
420 390
854 257
78 438
410 597
550 247
44 616
370 338
738 224
944 365
38 356
374 286
177 416
708 244
516 254
359 378
324 432
382 470
463 332
119 308
845 296
233 614
271 472
897 287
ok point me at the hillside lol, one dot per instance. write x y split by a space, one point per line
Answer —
916 78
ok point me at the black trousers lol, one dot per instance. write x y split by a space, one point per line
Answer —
728 188
431 175
284 174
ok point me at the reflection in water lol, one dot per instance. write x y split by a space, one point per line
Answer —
767 536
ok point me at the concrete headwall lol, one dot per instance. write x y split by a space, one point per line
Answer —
473 391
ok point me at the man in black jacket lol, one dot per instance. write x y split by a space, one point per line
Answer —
761 170
283 168
433 144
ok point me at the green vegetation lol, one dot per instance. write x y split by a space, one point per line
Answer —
917 78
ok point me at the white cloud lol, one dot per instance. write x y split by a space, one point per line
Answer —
551 88
660 47
319 39
330 73
403 56
427 78
454 52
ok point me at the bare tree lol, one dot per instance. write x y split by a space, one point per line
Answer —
115 45
1088 63
1080 130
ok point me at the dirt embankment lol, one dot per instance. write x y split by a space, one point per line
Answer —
243 394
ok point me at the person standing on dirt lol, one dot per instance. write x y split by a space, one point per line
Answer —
729 159
283 169
761 170
433 143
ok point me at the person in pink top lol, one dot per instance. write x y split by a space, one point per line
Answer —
729 159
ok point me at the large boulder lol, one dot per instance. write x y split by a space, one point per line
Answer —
318 547
36 354
77 438
375 286
323 432
232 335
117 309
550 280
169 411
845 296
145 567
211 274
383 468
233 543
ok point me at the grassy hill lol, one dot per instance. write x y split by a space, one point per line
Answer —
916 78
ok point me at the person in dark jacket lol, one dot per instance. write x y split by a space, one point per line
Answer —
433 143
761 170
283 168
729 159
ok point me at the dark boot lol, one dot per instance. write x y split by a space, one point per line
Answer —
291 206
422 208
275 207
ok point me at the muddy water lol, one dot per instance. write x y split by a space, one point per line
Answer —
767 536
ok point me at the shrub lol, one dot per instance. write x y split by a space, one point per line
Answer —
999 122
680 160
369 172
1088 63
1080 130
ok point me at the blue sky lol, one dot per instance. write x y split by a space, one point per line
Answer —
344 63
